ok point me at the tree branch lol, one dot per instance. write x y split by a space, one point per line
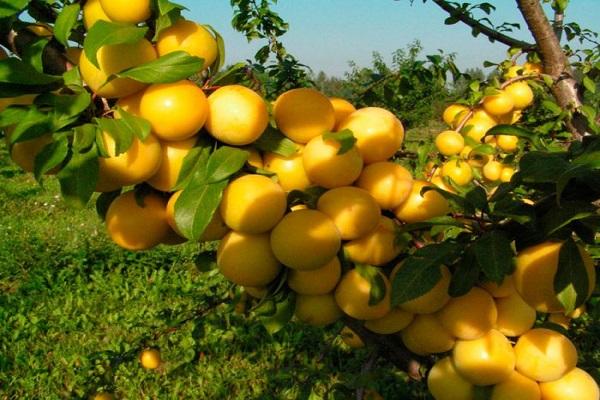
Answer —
485 30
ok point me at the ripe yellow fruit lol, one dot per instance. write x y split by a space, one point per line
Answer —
190 37
516 386
514 71
507 143
176 110
351 338
254 158
258 292
316 281
342 109
440 182
353 210
578 312
506 288
93 12
325 167
498 104
215 230
392 322
507 174
127 11
477 128
425 335
469 316
379 134
544 355
515 317
150 358
24 153
377 247
173 154
113 59
482 116
534 275
431 301
419 208
104 396
574 385
305 239
559 319
253 204
389 183
454 113
236 115
290 170
445 383
135 165
134 226
257 267
449 143
459 171
303 113
521 94
484 361
492 170
352 295
317 310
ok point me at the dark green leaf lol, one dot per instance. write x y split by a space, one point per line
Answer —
372 275
166 20
104 201
512 130
51 156
139 126
225 162
437 221
34 123
193 168
34 52
65 22
78 177
541 167
465 276
195 207
478 198
105 33
282 311
494 254
571 282
457 202
275 142
8 8
84 136
169 68
309 196
229 76
513 209
120 131
345 138
568 211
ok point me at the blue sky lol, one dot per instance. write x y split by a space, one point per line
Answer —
327 34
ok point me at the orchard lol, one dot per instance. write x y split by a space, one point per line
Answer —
467 260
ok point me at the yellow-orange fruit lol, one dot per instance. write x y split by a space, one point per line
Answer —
559 319
317 310
506 288
290 170
377 247
544 355
258 292
303 113
498 104
417 208
305 239
257 267
253 204
449 143
150 358
459 171
316 281
425 335
389 183
521 94
515 317
93 12
24 153
445 383
342 109
492 170
127 11
173 154
379 134
392 322
574 385
190 37
353 293
431 301
325 167
351 338
516 386
469 316
454 113
477 128
508 143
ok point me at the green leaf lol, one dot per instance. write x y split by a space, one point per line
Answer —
551 106
457 202
195 207
281 309
494 254
34 123
18 78
507 207
34 53
571 282
8 8
465 276
512 130
372 275
105 33
309 196
139 126
229 76
420 272
542 167
169 68
65 22
436 221
576 170
560 216
104 201
193 168
345 138
166 6
51 156
274 141
589 84
225 162
120 131
220 60
84 136
78 177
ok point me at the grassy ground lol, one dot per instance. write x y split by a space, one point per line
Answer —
75 310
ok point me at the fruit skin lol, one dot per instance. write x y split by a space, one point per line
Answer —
477 128
379 134
431 301
92 13
506 288
190 37
305 239
351 338
506 174
574 385
485 361
325 167
454 113
516 386
469 316
498 104
138 163
257 267
113 59
492 171
515 316
303 113
392 322
316 281
459 171
426 335
103 396
127 11
236 115
534 275
215 230
544 355
449 143
150 358
417 208
342 108
353 210
173 154
445 383
136 227
253 204
290 170
352 295
24 153
389 183
176 111
508 143
317 310
521 94
377 247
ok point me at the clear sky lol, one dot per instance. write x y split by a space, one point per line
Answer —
327 34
